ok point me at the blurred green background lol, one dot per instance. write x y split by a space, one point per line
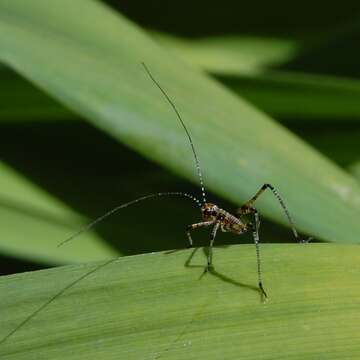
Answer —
298 63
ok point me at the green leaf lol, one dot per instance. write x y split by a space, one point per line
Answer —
33 223
162 306
324 138
232 55
300 97
21 101
255 68
335 53
93 67
355 169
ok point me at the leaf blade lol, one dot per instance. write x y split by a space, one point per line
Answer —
166 311
28 212
256 68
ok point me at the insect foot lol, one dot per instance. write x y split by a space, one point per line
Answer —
306 241
208 268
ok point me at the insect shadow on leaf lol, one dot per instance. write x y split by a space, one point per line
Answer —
217 274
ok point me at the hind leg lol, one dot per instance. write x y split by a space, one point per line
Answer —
248 208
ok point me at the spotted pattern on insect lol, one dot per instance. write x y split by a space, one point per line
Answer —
227 221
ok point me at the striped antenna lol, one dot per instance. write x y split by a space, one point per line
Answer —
197 162
122 206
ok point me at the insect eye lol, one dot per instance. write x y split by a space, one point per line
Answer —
207 212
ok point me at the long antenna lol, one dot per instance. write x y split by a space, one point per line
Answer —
197 162
112 211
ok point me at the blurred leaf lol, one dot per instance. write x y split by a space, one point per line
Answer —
26 212
153 307
293 96
338 141
336 53
21 101
244 64
254 68
355 170
94 68
232 55
302 19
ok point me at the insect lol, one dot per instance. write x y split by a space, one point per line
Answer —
211 216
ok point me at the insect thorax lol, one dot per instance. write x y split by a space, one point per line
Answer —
228 222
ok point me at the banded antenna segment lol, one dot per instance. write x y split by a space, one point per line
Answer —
197 162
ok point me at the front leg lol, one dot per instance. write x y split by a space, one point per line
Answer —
195 226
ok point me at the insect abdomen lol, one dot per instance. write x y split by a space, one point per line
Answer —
231 223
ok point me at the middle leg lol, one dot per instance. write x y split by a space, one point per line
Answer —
212 239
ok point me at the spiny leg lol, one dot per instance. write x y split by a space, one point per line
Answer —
257 247
249 208
195 226
212 239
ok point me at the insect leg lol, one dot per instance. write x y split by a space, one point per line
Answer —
257 247
212 239
249 208
195 226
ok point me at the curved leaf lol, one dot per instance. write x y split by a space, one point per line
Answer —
300 97
355 169
153 307
26 212
21 101
256 68
232 55
335 53
94 68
